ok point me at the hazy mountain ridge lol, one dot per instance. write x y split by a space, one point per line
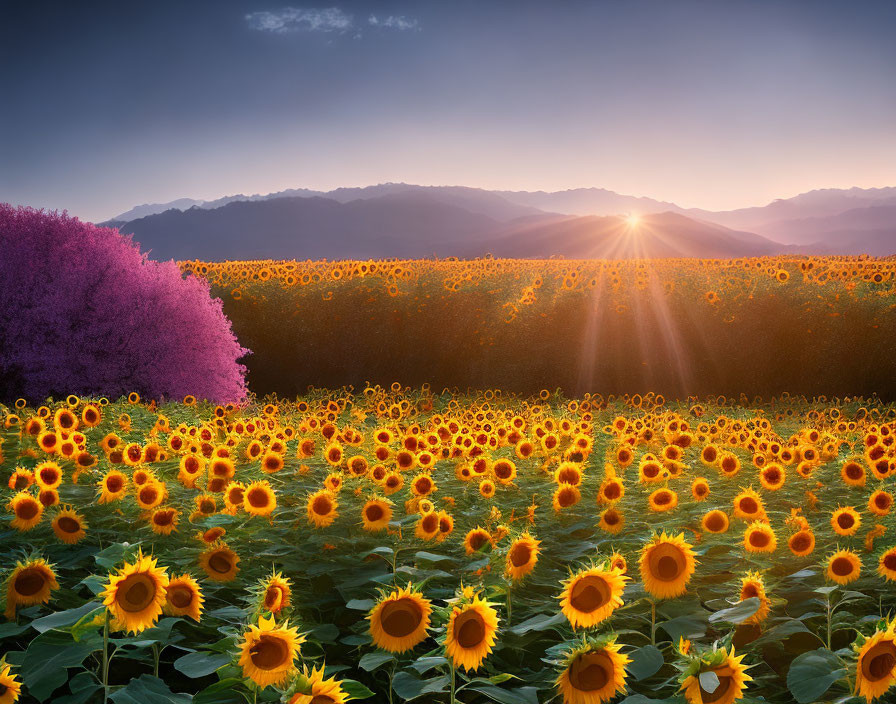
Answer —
827 221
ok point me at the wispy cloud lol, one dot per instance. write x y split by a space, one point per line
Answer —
399 22
297 19
328 19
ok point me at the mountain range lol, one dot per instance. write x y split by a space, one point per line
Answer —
407 221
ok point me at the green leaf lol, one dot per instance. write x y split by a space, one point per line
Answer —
521 695
360 604
64 618
409 686
540 622
431 557
88 622
11 628
812 674
227 691
148 690
200 664
83 685
684 626
738 613
371 661
44 667
645 662
355 690
424 665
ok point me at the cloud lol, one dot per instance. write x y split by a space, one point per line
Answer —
328 20
399 22
296 19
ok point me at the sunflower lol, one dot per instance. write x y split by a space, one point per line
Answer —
853 474
700 489
376 514
191 468
650 470
333 483
27 511
399 620
592 594
135 595
427 526
802 542
662 500
715 521
151 494
845 520
268 651
30 583
321 508
593 673
259 499
611 521
772 477
667 564
234 495
20 479
504 471
886 566
486 488
48 475
69 526
844 566
276 593
219 562
113 486
565 495
10 687
880 503
748 505
471 633
759 537
730 672
476 539
611 490
876 664
446 526
521 557
729 464
319 690
163 521
184 597
752 586
617 561
568 473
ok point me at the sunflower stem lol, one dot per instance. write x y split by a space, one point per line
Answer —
828 602
652 622
453 671
155 660
106 657
509 603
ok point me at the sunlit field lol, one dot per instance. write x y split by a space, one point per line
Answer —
403 543
680 327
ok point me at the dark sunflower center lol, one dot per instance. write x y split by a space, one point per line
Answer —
759 539
879 662
470 629
322 699
321 506
401 618
67 524
520 555
890 562
136 593
589 594
841 567
219 563
29 581
666 563
114 484
715 522
26 510
374 513
748 505
566 498
477 540
180 596
269 653
853 471
590 672
258 498
800 542
845 521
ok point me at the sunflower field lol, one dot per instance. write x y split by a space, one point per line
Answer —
403 544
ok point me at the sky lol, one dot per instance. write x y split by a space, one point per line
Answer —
717 104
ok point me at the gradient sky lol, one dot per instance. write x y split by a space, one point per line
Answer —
717 104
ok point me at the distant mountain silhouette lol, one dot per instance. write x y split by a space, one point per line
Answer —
416 224
829 221
614 237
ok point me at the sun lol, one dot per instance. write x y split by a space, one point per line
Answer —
633 220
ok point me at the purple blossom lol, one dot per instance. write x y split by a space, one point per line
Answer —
83 311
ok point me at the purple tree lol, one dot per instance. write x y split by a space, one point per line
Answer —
83 311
